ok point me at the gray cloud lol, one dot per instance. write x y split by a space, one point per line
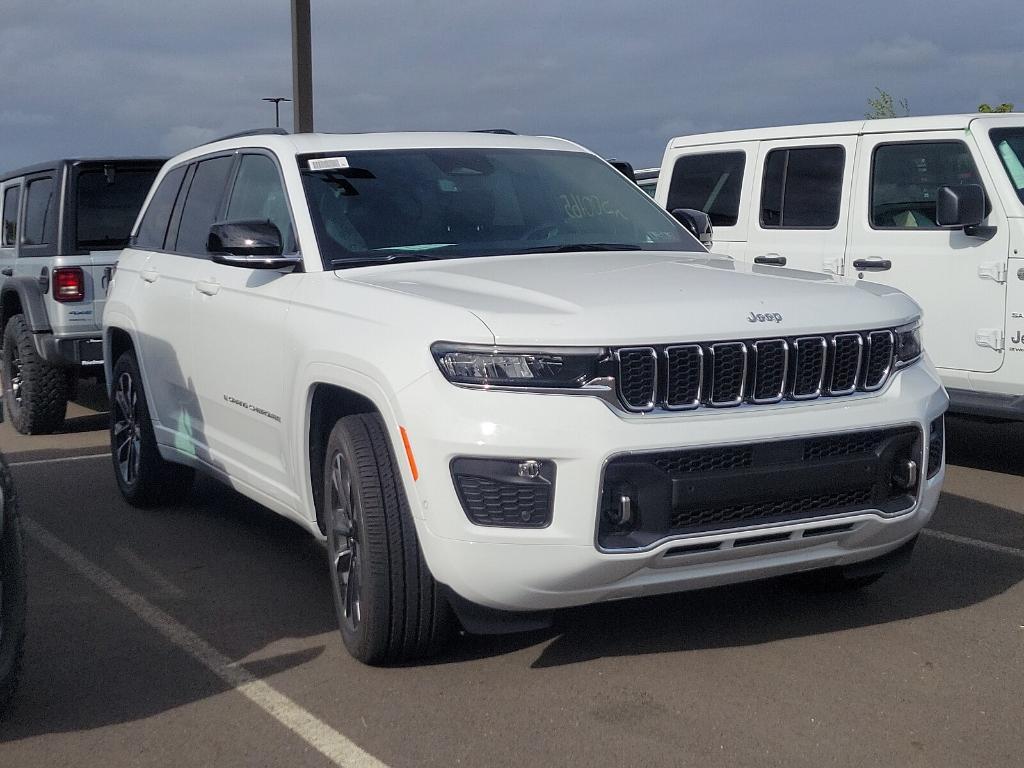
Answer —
112 77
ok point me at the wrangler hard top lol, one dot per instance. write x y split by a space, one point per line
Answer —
64 223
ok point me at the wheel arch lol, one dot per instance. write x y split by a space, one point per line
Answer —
22 295
326 403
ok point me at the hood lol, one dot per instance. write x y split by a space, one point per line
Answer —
649 297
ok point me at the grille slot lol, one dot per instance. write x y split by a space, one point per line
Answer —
879 359
728 373
847 352
771 364
684 376
638 377
757 371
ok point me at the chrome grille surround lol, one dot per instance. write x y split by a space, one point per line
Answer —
723 374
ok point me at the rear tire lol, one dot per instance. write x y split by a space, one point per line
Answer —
144 477
35 392
389 607
12 590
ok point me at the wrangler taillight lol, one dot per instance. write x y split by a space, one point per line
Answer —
68 284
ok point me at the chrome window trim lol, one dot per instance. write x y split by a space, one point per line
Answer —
860 362
700 378
785 372
649 405
743 381
888 369
796 365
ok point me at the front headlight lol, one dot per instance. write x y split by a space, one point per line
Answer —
908 344
517 366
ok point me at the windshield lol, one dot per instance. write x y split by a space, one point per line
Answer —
108 200
451 203
1009 144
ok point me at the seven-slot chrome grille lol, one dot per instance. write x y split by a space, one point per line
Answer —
756 371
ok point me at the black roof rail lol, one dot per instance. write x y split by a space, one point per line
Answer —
502 131
250 132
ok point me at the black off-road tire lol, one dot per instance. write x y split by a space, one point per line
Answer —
400 613
144 477
35 392
13 592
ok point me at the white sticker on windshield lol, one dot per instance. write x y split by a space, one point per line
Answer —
327 163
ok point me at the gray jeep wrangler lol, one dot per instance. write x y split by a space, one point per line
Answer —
63 225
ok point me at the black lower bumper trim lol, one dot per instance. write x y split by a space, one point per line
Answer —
986 404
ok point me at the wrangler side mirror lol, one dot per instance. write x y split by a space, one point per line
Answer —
960 206
697 224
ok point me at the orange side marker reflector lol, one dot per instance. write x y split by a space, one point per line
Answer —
408 454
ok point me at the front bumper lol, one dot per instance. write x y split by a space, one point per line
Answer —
561 565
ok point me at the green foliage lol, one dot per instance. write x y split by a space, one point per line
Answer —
988 108
886 105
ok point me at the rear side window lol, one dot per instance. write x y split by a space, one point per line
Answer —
202 204
709 183
905 179
153 228
258 195
802 188
12 197
38 209
107 203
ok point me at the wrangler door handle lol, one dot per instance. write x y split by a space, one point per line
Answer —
772 259
207 287
149 275
872 265
7 271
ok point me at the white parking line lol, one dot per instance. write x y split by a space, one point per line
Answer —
58 460
318 734
1002 549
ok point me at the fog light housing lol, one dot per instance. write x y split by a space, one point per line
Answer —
505 493
936 445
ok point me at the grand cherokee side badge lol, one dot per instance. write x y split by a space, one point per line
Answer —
757 317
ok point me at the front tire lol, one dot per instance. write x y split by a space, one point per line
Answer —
12 590
35 392
143 476
389 607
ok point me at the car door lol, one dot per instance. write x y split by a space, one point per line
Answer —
10 203
715 180
803 189
167 276
957 277
238 324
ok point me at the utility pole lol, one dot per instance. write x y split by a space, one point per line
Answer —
276 101
302 67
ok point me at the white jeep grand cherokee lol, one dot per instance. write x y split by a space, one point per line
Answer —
501 381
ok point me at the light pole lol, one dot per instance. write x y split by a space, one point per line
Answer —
302 67
276 101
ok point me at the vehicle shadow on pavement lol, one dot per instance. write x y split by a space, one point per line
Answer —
995 447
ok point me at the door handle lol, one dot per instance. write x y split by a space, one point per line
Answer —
872 265
207 287
149 275
7 271
772 259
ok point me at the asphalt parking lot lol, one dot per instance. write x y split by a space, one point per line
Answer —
203 634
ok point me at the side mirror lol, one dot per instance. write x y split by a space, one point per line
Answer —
697 223
626 169
960 206
251 244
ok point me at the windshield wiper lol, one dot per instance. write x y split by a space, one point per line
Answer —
394 258
573 247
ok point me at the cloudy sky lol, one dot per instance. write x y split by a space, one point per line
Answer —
620 76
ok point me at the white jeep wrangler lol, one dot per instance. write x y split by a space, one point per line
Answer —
501 380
